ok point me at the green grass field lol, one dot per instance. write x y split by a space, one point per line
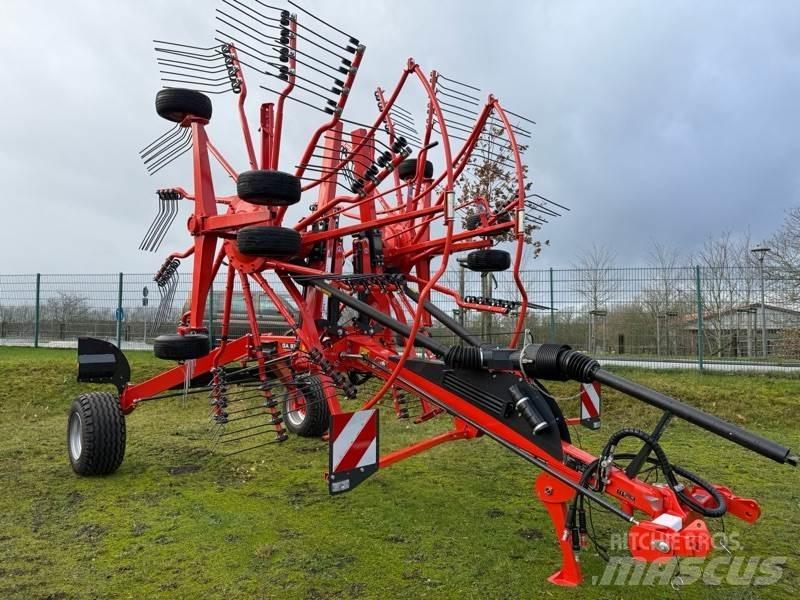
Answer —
457 522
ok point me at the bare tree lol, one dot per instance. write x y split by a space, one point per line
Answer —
66 307
596 284
784 259
490 174
661 294
665 296
727 282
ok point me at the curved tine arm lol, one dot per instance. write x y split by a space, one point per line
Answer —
424 294
310 149
390 130
426 139
185 254
461 159
520 221
460 162
277 128
248 140
337 115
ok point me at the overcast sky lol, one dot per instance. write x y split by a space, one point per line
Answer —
656 121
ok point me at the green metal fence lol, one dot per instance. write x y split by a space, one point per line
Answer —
683 317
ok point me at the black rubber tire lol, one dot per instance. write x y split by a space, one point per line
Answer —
268 188
472 221
408 169
175 104
268 241
174 346
488 261
316 420
102 434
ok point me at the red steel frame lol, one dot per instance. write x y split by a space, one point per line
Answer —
419 229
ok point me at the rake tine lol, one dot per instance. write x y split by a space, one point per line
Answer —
152 228
532 122
166 146
162 146
172 129
263 413
163 209
517 129
183 151
212 54
453 108
466 85
198 78
459 98
548 201
316 18
167 159
451 90
172 206
302 37
184 45
242 430
165 303
405 128
172 64
401 117
541 209
259 21
168 223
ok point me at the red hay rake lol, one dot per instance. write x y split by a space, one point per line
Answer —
354 278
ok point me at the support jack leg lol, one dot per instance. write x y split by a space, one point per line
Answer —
555 496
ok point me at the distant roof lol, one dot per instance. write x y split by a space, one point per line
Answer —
754 307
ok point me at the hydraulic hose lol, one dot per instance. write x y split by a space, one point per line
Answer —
607 456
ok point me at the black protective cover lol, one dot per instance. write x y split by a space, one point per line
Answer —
489 391
100 361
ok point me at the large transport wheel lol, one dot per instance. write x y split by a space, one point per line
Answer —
95 434
307 414
268 241
175 104
181 347
268 188
488 261
408 169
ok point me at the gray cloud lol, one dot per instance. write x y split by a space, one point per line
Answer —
656 121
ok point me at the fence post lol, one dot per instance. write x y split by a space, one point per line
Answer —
462 318
552 309
37 311
211 313
700 335
486 317
119 314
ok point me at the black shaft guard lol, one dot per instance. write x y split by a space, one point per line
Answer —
489 392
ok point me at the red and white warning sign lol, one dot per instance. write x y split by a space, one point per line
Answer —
353 449
590 405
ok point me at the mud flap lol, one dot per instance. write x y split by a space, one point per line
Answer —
100 361
352 449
